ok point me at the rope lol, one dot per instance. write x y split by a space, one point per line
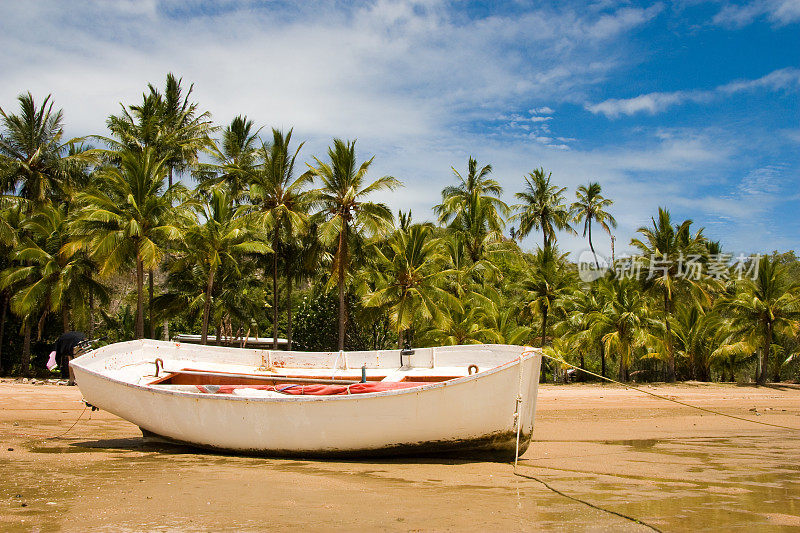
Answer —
72 426
589 504
669 399
594 506
517 414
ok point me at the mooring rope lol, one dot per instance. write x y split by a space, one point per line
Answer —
627 386
589 504
638 389
72 426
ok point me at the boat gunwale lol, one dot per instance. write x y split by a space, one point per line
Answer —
524 356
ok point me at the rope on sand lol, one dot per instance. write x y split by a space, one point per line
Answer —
627 386
589 504
638 389
72 426
518 422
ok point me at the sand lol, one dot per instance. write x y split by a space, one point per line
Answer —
670 466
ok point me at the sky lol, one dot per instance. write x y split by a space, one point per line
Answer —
691 105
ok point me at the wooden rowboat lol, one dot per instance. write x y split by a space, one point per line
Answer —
464 400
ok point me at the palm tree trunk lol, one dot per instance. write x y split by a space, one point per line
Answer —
150 304
207 308
289 312
624 356
275 301
591 246
65 318
170 176
668 340
602 359
342 310
544 325
25 361
400 335
91 311
139 298
764 356
3 328
165 331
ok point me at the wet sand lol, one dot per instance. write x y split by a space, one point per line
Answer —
670 466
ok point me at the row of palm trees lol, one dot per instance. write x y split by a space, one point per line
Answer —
229 253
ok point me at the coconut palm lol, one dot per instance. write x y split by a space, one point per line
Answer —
235 157
32 156
187 128
576 325
221 237
473 209
128 218
542 208
760 307
464 273
49 279
347 215
499 318
666 249
463 325
409 273
548 283
168 124
11 219
280 203
624 322
591 206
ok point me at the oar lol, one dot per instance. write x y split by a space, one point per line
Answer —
282 379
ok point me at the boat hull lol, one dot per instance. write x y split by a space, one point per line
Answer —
469 416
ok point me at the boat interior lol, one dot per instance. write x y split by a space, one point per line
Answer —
177 366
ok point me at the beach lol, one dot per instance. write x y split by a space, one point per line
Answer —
663 464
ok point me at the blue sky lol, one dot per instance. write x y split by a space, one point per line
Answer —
690 105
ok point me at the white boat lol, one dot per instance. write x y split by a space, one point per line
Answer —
466 400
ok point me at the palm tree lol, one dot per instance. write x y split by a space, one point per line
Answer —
549 283
591 206
235 157
222 237
409 273
624 322
280 203
169 125
347 216
760 307
462 325
129 217
188 130
577 327
32 163
473 209
49 279
665 248
32 157
542 208
499 318
11 219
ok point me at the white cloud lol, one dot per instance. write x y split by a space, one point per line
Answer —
652 103
410 80
778 12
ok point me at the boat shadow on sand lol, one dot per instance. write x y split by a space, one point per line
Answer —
140 445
